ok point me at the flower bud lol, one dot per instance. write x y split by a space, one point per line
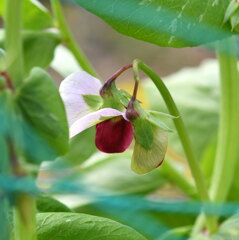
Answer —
114 135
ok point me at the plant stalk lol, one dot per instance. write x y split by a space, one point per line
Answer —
69 39
179 124
13 41
25 210
227 153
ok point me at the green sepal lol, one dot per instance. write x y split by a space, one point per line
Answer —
42 117
145 160
113 99
143 132
154 117
124 97
161 114
93 101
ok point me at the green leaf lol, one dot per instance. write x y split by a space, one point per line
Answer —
74 226
38 48
177 23
44 117
49 204
93 101
35 17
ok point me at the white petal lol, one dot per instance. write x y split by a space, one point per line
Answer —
92 119
72 88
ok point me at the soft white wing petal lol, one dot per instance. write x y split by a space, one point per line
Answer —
92 119
72 88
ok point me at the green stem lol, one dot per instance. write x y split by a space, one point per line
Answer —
25 210
24 217
13 40
179 124
227 153
69 39
178 179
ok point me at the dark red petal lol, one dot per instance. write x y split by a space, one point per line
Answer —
113 135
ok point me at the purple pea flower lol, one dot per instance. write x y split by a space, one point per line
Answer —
88 104
114 133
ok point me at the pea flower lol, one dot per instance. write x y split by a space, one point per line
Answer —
88 103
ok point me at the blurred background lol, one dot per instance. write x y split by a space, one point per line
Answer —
108 50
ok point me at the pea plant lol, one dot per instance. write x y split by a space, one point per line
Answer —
97 141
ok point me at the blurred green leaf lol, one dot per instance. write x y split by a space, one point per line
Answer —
176 234
5 111
112 173
82 146
177 23
46 203
38 48
35 15
44 117
76 226
4 157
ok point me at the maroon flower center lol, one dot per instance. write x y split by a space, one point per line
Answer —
113 135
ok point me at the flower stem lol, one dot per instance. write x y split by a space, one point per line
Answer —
179 124
69 39
13 40
227 153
